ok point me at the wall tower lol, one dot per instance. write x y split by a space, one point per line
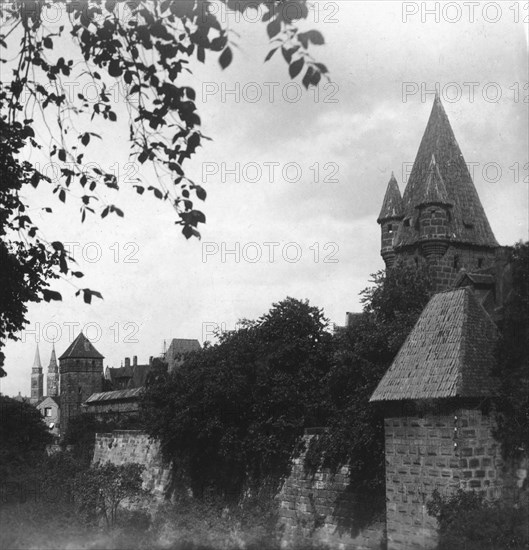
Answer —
81 375
439 220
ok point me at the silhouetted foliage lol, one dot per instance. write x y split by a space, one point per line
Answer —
23 436
512 404
364 351
233 413
82 429
468 522
145 47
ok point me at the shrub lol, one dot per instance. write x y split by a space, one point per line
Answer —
468 522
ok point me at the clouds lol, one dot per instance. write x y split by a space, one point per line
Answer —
345 140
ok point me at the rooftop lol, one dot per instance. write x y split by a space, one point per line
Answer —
449 352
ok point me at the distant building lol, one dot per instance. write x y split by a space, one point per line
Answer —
174 356
81 375
37 379
113 405
52 378
129 376
21 398
49 408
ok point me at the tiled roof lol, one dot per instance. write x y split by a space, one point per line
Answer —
392 205
119 395
136 375
469 223
81 348
449 352
434 190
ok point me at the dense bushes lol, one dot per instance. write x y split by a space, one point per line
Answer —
82 431
512 403
363 353
231 416
23 436
468 522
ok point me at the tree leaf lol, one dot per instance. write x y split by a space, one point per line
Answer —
273 28
295 67
50 295
226 57
114 68
270 54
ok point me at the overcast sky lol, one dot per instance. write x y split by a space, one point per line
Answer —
342 144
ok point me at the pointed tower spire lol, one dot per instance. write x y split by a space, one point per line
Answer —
392 205
469 222
52 378
389 220
37 366
37 379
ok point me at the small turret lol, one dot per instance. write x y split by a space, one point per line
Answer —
389 219
434 214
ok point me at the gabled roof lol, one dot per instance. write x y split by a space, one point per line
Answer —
136 375
119 395
469 223
47 399
81 348
449 352
392 205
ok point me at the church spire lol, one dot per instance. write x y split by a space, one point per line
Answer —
52 378
37 379
53 360
37 366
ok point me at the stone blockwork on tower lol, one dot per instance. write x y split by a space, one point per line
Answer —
440 220
445 449
439 431
81 375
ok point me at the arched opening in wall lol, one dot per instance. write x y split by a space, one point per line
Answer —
407 222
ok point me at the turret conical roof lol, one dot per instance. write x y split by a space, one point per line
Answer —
392 205
81 348
469 222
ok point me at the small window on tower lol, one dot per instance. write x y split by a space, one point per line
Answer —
47 411
456 262
390 228
416 261
407 222
480 263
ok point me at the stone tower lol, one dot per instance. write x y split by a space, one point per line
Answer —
439 220
81 375
37 379
52 378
